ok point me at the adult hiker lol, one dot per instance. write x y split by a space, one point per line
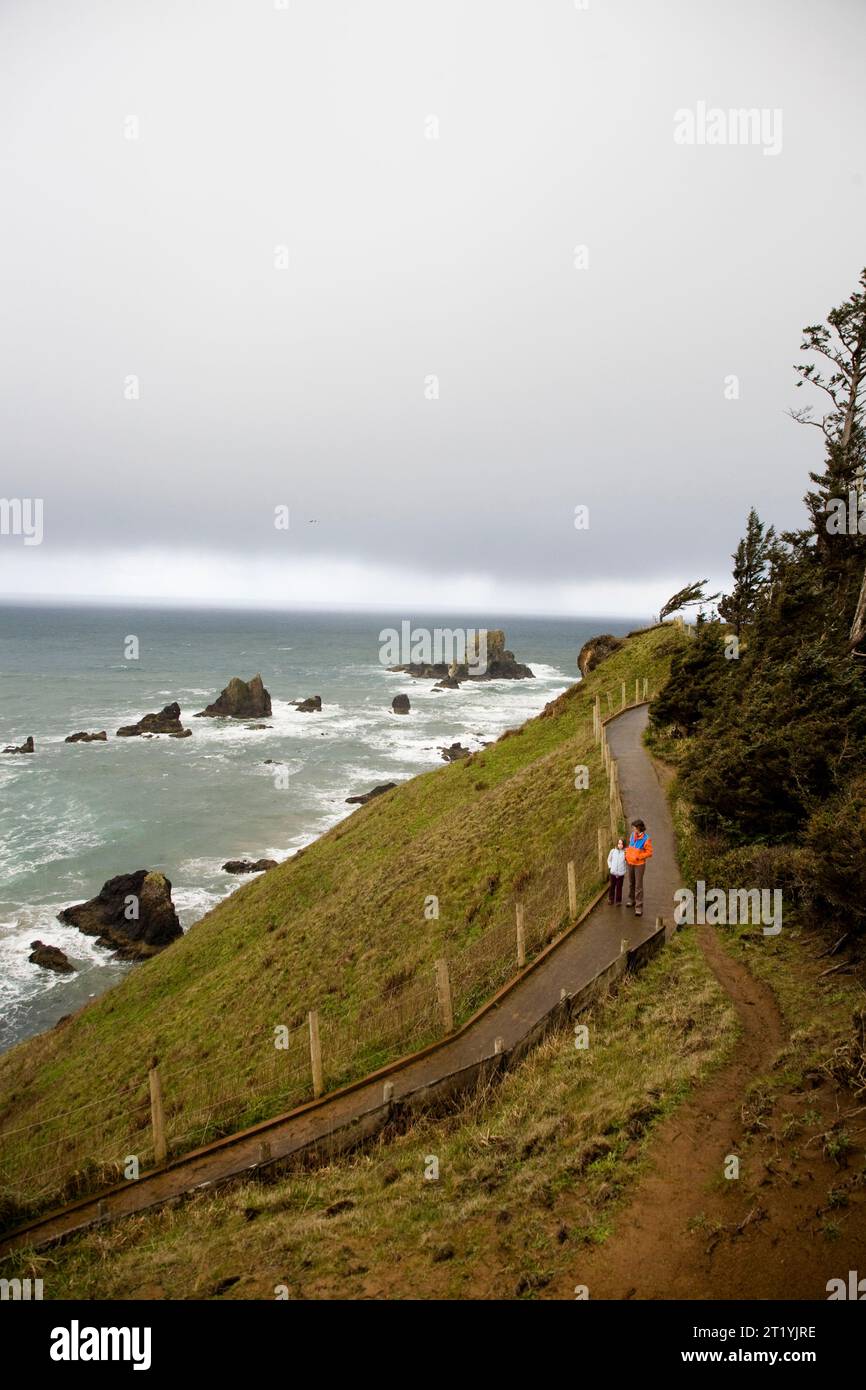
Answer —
638 850
616 869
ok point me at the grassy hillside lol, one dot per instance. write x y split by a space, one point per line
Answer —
536 1175
341 928
530 1174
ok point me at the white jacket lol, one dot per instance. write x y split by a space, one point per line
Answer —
616 862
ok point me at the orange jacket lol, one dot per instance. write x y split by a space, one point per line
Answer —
639 848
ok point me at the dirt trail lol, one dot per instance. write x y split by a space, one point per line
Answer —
347 1116
660 1246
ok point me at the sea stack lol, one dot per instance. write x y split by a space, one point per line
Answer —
400 704
240 700
248 866
27 746
132 913
50 958
166 722
487 659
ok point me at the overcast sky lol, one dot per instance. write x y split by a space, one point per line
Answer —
408 257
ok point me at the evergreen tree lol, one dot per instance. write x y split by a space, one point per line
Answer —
752 562
839 551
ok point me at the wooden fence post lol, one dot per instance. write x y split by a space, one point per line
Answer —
609 703
645 687
572 890
521 938
443 989
637 690
622 706
601 858
596 714
157 1115
315 1053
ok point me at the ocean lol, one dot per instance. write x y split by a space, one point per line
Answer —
74 815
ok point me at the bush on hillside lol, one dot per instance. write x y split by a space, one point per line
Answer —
699 674
782 741
832 864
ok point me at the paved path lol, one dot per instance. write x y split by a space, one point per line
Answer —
348 1116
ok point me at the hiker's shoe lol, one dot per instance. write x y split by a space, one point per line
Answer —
629 903
638 914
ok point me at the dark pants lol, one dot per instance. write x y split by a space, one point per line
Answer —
635 887
614 892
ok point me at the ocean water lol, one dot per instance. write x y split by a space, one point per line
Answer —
74 815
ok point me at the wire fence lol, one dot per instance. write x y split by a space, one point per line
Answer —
170 1110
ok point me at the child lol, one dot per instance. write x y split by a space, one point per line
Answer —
638 851
616 866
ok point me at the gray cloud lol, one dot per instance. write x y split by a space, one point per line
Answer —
407 257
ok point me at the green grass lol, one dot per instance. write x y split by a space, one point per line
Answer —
340 928
531 1172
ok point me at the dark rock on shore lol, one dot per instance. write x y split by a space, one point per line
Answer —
400 704
166 722
595 651
312 705
489 643
133 913
27 746
248 866
182 733
368 796
84 737
239 700
50 958
454 753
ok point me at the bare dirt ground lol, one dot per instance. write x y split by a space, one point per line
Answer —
793 1219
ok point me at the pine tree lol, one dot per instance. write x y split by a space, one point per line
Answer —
752 561
840 554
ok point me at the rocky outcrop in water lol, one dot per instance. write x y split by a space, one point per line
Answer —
248 866
454 753
240 700
312 705
368 796
447 683
595 651
27 746
166 722
400 704
50 958
132 913
84 737
487 659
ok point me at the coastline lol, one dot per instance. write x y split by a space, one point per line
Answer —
367 743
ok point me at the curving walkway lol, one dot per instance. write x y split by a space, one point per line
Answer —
564 978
